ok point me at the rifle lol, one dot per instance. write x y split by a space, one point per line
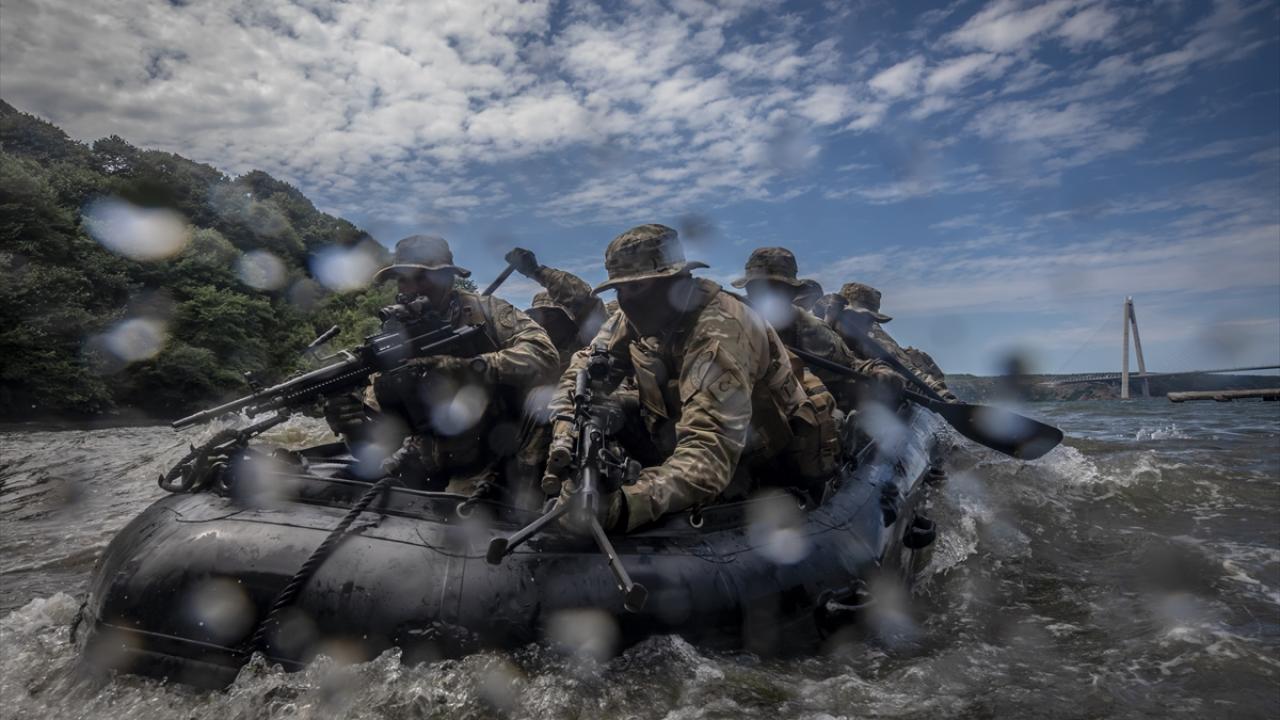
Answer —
595 462
407 333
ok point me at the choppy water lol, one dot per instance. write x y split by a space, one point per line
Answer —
1134 572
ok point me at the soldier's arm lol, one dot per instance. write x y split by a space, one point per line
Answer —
822 340
525 356
574 293
715 395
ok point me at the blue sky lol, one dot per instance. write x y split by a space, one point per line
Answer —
1005 171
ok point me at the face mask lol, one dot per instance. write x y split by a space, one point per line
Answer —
771 304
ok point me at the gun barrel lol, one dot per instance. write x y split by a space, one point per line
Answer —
211 413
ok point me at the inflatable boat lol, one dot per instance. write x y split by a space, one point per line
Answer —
184 591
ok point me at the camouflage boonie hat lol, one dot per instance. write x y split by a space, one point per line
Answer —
544 308
810 291
820 307
643 253
770 263
420 252
863 298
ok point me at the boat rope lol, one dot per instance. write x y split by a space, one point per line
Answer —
318 556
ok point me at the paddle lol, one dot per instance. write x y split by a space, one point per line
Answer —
499 280
1001 430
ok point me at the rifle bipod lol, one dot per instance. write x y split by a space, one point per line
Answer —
634 594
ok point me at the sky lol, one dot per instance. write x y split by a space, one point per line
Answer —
1006 172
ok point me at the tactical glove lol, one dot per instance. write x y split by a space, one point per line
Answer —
344 413
476 368
611 510
524 261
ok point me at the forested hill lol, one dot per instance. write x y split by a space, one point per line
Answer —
139 281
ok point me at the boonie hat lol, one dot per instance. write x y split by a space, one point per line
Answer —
643 253
420 252
863 298
810 291
544 308
770 263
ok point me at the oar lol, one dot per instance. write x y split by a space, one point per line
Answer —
1001 430
499 280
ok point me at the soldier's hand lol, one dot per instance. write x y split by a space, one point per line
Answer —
560 455
344 412
886 377
610 510
450 365
524 261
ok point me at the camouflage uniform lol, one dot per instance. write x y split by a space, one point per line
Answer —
543 310
806 332
716 391
513 356
866 299
573 295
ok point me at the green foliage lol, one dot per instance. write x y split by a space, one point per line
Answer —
62 294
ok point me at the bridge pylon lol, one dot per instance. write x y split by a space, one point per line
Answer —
1131 319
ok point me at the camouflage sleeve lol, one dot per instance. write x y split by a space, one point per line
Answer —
931 372
572 292
525 356
715 396
817 338
903 356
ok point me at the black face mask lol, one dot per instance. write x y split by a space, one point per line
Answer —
654 307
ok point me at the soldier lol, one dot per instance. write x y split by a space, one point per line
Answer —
716 391
461 410
567 309
565 294
855 314
772 287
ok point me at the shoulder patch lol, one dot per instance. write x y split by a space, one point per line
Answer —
713 372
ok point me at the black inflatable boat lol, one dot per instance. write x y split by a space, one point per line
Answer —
182 592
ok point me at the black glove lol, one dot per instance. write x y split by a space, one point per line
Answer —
524 261
344 412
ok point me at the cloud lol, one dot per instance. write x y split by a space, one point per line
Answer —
958 72
898 80
1089 25
363 101
1008 25
1204 238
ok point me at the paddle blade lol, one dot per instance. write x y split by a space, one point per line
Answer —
1001 430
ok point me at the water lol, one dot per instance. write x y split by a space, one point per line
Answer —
1133 572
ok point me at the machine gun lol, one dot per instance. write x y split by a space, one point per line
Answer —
384 352
408 332
596 464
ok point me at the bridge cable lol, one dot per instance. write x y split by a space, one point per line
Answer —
1085 344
